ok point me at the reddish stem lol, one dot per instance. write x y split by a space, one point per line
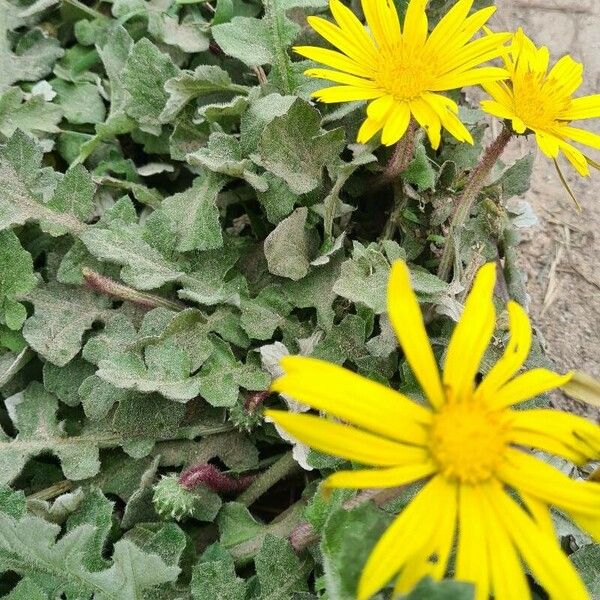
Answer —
210 476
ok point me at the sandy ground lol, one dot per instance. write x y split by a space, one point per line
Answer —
560 255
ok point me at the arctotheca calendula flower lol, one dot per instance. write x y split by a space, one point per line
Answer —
483 489
540 100
402 70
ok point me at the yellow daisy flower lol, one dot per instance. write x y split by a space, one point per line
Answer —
402 71
470 446
541 100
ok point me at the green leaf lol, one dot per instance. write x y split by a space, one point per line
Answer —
279 570
516 180
223 154
587 562
347 541
214 578
62 314
188 85
290 247
295 148
32 59
146 71
420 171
80 101
428 589
25 186
29 547
194 214
32 115
33 413
16 279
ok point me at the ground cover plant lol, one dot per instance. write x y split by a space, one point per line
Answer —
209 209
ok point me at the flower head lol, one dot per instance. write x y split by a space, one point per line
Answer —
482 485
541 100
401 71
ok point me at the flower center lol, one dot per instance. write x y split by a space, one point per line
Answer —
468 441
403 73
539 101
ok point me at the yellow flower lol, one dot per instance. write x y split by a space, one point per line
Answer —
541 100
470 446
402 71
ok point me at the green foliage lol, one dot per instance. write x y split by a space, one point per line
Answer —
175 215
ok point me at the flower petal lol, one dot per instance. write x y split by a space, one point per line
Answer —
396 123
540 480
382 18
428 119
586 107
334 59
346 93
471 556
344 441
414 30
353 398
540 551
381 478
579 135
406 537
526 386
448 26
514 355
407 321
471 335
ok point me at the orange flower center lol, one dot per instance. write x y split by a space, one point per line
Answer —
468 441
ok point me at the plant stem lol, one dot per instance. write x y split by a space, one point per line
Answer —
401 157
399 203
303 535
110 287
57 489
475 184
277 471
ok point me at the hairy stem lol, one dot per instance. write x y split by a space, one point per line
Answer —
110 287
474 186
399 204
401 157
266 480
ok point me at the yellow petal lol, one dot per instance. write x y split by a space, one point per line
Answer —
353 398
380 108
589 524
548 144
382 18
441 545
471 335
540 480
343 41
531 439
540 513
576 158
367 130
448 117
406 318
508 578
526 386
469 28
339 77
466 78
448 26
496 109
396 123
580 135
540 551
514 355
381 478
346 93
353 28
477 53
406 537
472 563
427 118
586 107
344 441
334 59
501 93
415 27
569 73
